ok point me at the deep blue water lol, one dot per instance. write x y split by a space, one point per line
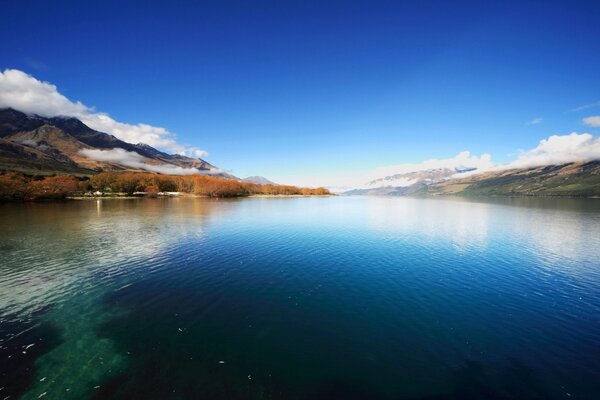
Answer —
300 298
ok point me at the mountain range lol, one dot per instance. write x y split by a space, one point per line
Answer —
259 180
404 184
39 145
580 179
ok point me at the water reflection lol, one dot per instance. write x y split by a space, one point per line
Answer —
464 224
50 247
384 297
548 228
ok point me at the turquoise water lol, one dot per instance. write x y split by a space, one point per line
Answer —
300 298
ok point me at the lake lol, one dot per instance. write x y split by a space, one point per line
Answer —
300 298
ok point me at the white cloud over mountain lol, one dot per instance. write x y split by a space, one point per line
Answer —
134 160
340 183
25 93
558 149
555 150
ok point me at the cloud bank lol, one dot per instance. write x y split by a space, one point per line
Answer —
558 150
340 183
25 93
134 160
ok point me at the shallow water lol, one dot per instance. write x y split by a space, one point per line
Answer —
300 298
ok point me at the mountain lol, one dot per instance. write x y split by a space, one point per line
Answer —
405 184
571 179
259 180
580 179
40 145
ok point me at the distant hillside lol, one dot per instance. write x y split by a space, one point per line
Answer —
39 145
573 179
405 184
412 189
259 180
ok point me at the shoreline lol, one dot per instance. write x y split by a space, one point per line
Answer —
188 195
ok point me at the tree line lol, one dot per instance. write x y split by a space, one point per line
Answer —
14 186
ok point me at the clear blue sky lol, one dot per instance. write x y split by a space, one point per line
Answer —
289 89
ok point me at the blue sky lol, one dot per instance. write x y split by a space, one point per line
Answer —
290 90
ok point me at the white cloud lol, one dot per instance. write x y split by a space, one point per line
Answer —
587 106
198 153
557 150
340 183
134 160
25 93
535 121
593 121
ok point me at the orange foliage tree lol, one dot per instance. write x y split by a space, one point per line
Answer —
20 187
202 185
15 186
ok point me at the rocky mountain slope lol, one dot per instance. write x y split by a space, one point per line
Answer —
39 145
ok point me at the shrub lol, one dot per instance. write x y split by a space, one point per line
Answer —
21 187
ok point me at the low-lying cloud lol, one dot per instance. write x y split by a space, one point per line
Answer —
557 150
554 150
25 93
134 160
340 183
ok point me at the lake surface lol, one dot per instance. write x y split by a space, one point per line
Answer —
300 298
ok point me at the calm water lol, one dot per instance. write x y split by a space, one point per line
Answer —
343 298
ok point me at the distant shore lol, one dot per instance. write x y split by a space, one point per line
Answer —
188 195
19 187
